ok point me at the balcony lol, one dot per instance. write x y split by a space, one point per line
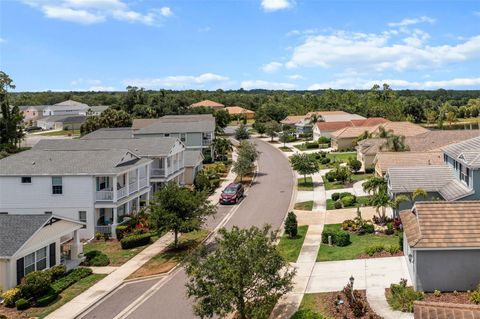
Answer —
158 172
207 142
133 187
143 182
121 193
104 195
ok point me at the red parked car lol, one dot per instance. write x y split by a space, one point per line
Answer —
232 194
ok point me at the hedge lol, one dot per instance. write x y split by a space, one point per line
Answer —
121 230
47 299
71 278
339 237
133 241
22 304
96 258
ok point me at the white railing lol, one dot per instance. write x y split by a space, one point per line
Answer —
104 195
122 192
107 229
158 172
133 187
206 142
143 182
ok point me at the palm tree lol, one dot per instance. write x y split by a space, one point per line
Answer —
412 197
381 201
395 143
375 185
383 133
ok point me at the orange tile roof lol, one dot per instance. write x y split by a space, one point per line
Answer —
207 103
371 121
433 310
238 110
333 126
442 224
386 160
402 128
292 119
309 114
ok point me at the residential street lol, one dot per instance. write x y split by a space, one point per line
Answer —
266 202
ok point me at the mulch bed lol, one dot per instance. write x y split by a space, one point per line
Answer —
327 301
13 313
449 297
380 255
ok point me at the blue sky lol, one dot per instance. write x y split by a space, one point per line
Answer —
274 44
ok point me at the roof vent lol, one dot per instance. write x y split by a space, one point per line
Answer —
33 163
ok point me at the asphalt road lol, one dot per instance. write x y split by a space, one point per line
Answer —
266 203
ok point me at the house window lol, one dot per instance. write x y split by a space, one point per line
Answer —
57 187
183 137
166 134
464 173
29 265
26 180
82 216
445 158
41 256
48 213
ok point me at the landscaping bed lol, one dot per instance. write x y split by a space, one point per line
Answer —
285 149
346 200
325 305
305 184
461 297
308 205
347 184
290 247
170 257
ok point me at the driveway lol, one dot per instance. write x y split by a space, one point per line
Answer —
266 202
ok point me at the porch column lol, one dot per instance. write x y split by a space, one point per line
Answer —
127 178
148 198
114 222
114 188
165 162
138 204
129 207
77 247
138 178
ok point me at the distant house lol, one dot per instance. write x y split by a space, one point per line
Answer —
239 112
61 122
68 107
387 160
442 245
208 104
327 128
97 110
33 242
32 112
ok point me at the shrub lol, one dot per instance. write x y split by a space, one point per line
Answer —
330 176
207 159
372 250
3 316
11 296
335 196
56 272
354 164
306 314
71 278
98 235
121 231
291 225
35 284
347 224
106 236
437 293
47 299
393 249
96 258
323 140
348 201
344 194
133 241
338 204
369 228
311 145
22 304
475 296
339 237
389 230
325 160
402 297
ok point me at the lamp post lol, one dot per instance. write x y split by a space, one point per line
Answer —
352 280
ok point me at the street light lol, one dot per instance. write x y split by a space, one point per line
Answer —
352 280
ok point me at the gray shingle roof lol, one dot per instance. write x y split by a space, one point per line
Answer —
37 107
192 158
141 146
467 152
99 108
180 124
65 118
438 179
91 162
69 105
15 230
110 133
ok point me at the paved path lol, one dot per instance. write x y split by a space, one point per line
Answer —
266 202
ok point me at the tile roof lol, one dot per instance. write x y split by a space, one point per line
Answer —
99 108
467 152
192 158
145 147
15 230
434 310
432 178
321 113
387 160
180 124
207 103
293 119
82 162
110 133
350 132
238 110
442 224
401 128
371 146
327 117
333 126
436 139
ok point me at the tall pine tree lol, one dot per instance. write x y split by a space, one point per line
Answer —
11 119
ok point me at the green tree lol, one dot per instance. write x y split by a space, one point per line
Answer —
291 225
222 147
431 116
245 274
375 184
341 173
354 164
271 112
109 118
271 128
286 136
241 133
243 166
304 165
179 210
395 143
248 150
11 119
260 128
451 117
222 118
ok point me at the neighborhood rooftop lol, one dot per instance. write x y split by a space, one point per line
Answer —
429 178
180 124
467 152
207 103
386 160
192 158
442 224
90 162
110 133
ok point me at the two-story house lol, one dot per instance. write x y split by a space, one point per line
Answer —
457 179
196 131
97 187
68 107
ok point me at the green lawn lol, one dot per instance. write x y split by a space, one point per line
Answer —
290 247
356 248
61 133
361 200
301 147
305 185
308 205
169 258
338 185
340 157
112 249
67 295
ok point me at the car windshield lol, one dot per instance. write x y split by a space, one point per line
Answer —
230 190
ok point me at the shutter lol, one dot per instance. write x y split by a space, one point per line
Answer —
20 270
53 251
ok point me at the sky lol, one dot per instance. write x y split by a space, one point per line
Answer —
106 45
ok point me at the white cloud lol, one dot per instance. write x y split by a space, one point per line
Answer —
96 11
180 81
407 22
360 83
101 88
272 67
295 77
380 51
260 84
274 5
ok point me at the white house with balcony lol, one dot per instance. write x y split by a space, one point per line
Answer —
68 107
98 187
